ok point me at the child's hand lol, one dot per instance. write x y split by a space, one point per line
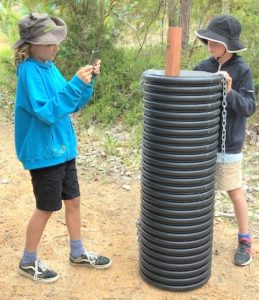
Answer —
228 78
85 73
97 67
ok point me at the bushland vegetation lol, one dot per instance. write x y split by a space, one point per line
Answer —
132 38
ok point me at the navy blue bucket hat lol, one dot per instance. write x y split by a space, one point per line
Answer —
224 29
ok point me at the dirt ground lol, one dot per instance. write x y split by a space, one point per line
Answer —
109 215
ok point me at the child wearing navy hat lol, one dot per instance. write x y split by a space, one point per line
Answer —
222 40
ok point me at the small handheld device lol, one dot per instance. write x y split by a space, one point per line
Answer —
95 55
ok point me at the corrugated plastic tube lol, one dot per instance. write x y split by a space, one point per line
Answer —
180 138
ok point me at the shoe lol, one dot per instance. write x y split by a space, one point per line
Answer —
243 254
37 271
90 259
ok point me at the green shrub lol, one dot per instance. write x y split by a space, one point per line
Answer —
118 94
7 78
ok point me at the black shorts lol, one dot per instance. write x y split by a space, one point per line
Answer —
53 184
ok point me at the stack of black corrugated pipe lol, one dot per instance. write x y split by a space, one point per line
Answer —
180 137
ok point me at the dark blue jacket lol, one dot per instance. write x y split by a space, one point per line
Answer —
241 102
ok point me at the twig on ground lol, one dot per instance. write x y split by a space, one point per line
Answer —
227 215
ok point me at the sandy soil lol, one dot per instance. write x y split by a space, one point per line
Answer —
109 215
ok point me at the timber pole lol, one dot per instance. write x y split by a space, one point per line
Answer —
173 51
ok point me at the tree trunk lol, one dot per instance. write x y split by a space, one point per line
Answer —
225 7
185 11
173 13
179 15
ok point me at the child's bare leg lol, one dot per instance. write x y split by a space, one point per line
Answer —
73 218
243 255
35 229
78 255
30 266
238 199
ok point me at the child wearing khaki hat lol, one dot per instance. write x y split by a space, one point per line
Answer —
45 140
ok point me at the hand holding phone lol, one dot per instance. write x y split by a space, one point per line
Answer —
85 73
96 67
95 62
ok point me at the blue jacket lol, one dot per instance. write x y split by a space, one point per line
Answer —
241 102
44 134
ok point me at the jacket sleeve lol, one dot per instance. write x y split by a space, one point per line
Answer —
85 97
49 109
242 100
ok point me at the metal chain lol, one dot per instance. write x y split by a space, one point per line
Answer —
224 120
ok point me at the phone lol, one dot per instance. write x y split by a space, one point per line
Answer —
95 55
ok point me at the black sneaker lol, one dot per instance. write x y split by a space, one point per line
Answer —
90 259
243 254
38 271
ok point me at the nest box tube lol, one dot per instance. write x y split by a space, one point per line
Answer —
181 121
173 51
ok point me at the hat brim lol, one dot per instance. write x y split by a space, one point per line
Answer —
55 36
232 46
18 43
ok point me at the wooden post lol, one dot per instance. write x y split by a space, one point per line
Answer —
173 55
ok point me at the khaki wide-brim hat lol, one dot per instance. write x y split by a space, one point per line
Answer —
41 29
